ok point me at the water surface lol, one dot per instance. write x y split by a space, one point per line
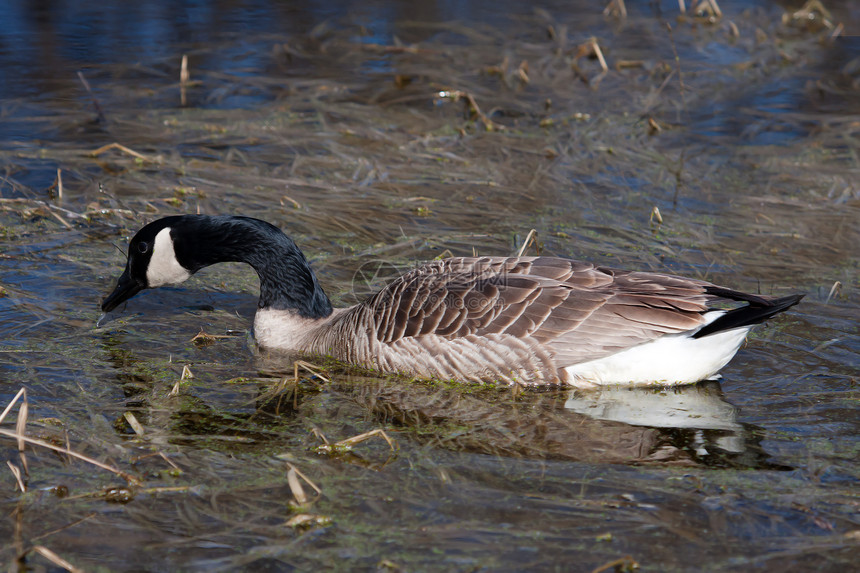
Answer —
331 121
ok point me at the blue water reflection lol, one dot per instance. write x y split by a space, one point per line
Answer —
44 43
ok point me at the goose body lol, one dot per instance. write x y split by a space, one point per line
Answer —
528 320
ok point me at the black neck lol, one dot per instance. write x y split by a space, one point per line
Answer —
286 279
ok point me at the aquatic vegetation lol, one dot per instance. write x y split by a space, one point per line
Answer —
719 143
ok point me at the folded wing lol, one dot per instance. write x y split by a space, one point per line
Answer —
576 310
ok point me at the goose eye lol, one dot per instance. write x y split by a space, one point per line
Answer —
142 248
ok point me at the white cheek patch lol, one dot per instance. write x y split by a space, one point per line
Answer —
163 267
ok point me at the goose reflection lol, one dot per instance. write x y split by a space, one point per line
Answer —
697 418
701 406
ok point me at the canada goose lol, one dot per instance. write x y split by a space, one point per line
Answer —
529 320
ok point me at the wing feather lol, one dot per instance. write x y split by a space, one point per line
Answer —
576 310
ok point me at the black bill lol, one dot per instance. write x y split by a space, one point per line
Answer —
125 289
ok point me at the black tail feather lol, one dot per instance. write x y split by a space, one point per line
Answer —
759 310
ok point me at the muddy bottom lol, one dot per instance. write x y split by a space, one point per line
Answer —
713 144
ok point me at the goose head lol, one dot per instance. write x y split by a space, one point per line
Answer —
152 262
169 250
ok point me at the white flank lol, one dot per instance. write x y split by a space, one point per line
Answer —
163 267
669 360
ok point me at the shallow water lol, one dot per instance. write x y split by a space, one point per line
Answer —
329 123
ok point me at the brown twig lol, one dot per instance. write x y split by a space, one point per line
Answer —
615 8
348 443
183 79
473 108
811 11
67 526
55 559
312 368
132 421
21 428
59 183
678 62
186 375
20 425
530 238
835 289
296 488
122 148
626 563
589 48
17 473
36 442
709 7
96 104
21 392
205 338
292 201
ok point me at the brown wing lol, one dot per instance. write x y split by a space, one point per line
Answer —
577 310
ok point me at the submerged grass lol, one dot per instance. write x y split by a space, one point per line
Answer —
669 150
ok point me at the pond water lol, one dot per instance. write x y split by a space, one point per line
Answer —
349 126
